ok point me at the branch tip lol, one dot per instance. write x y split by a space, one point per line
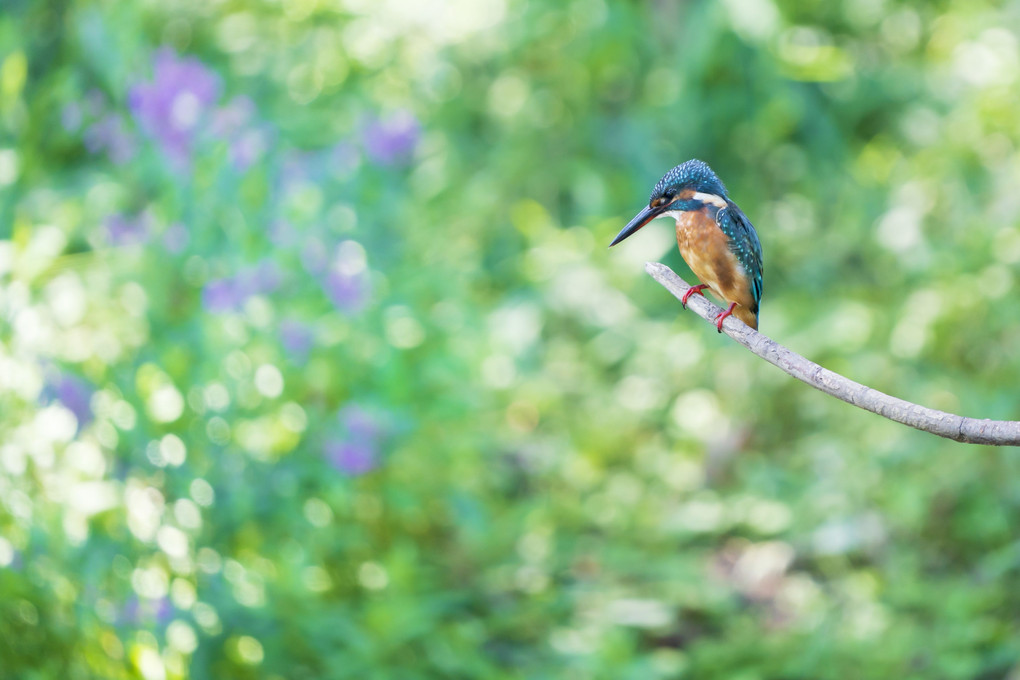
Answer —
948 425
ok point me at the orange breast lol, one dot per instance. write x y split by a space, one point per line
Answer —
706 250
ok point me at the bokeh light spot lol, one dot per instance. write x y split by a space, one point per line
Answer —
187 513
317 512
507 95
202 492
249 650
293 417
8 166
166 404
316 579
181 637
6 552
173 450
149 663
403 331
172 541
217 398
373 576
269 381
218 431
236 32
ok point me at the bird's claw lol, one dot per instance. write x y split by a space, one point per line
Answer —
722 316
691 291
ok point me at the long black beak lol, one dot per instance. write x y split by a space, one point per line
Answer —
646 215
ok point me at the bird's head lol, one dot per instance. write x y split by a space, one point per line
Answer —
688 186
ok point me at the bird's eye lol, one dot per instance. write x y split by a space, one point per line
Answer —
660 201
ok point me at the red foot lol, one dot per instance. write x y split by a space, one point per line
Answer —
691 291
722 317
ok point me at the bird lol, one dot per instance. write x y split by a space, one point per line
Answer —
715 238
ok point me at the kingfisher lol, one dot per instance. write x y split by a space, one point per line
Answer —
716 239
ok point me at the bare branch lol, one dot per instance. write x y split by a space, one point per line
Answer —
969 430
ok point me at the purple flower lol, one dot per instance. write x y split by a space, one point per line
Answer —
125 231
129 611
297 167
351 458
345 159
173 105
349 292
360 424
111 135
176 237
233 123
163 611
230 293
393 139
74 393
356 450
231 119
223 295
314 256
248 148
282 234
297 339
136 611
264 278
347 282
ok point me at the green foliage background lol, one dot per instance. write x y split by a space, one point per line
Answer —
572 478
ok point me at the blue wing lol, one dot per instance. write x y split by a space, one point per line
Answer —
745 245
